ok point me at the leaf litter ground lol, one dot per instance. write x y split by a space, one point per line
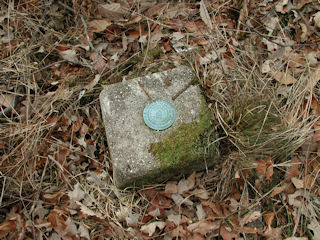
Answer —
258 65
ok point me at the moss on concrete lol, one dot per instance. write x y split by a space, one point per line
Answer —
185 150
187 146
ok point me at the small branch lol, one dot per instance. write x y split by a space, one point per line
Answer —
45 11
86 32
243 16
119 65
39 70
308 24
268 38
83 22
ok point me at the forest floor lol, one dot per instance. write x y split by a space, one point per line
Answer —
258 64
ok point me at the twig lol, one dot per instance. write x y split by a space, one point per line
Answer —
2 192
243 16
7 111
45 11
39 70
83 22
148 45
280 44
308 24
86 32
109 71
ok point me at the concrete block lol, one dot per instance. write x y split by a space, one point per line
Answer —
142 155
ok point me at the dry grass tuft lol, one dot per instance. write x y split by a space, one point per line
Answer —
258 117
53 151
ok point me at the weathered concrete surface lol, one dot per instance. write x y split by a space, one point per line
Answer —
130 140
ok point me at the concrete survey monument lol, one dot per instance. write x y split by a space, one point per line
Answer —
157 126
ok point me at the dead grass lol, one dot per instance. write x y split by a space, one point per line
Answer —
44 155
258 116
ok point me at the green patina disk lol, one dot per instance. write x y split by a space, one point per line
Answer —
159 115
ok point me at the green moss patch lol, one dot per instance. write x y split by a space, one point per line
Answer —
188 144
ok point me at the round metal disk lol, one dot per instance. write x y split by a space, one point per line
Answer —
159 115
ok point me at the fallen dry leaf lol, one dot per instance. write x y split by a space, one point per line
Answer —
176 219
186 184
132 220
69 55
159 200
71 228
196 236
179 200
201 214
315 76
284 78
171 187
57 222
265 167
308 181
98 25
299 4
250 217
265 67
216 208
278 190
204 14
294 169
155 212
203 227
296 199
268 218
84 232
156 10
201 193
178 232
269 171
113 11
77 194
272 233
261 167
316 18
100 64
298 183
151 227
269 232
315 106
8 225
296 238
283 6
6 100
315 227
53 197
228 235
88 212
